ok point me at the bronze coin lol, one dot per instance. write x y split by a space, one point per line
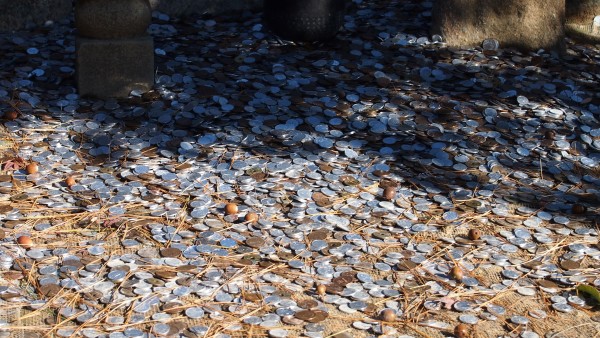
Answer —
308 303
291 320
11 115
547 284
73 262
319 316
318 235
127 292
370 310
187 268
166 274
305 315
155 281
266 263
464 241
12 275
184 281
406 265
255 242
49 290
252 296
532 264
381 234
349 275
335 289
170 252
125 268
568 264
172 308
349 180
578 209
321 199
244 262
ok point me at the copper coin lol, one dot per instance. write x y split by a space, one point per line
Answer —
165 274
170 252
321 199
319 316
11 115
406 265
252 296
349 180
255 242
49 290
532 264
305 315
335 289
317 235
547 284
578 209
568 264
172 308
308 303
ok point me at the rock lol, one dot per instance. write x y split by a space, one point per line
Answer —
16 15
582 20
177 8
581 12
304 20
22 14
525 24
113 68
112 19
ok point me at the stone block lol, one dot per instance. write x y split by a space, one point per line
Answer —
525 24
113 68
112 19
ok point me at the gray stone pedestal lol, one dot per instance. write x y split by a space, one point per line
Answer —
526 24
113 68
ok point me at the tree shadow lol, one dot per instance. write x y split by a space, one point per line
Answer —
428 108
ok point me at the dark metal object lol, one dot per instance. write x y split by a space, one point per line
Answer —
304 20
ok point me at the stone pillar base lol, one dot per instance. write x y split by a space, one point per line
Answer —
113 68
525 24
